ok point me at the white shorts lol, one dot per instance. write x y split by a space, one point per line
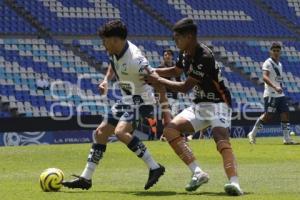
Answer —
203 115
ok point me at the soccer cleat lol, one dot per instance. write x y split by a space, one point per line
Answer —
78 182
197 180
252 139
289 141
154 175
233 189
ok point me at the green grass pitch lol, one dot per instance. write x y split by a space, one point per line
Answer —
268 170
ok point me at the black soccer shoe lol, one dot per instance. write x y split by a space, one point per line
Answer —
78 182
154 175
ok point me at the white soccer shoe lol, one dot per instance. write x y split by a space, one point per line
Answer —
289 141
197 180
251 137
233 189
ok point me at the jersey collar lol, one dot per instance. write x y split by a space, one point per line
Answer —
198 53
123 51
277 63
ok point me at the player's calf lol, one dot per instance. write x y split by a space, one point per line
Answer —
179 145
230 167
224 147
184 152
155 169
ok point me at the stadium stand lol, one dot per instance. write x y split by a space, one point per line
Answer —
4 114
24 59
85 17
289 9
10 22
222 18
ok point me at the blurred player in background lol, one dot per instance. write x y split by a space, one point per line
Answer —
127 64
167 59
169 62
211 105
275 100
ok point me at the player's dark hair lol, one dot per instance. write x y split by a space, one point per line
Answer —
114 28
169 51
275 45
184 26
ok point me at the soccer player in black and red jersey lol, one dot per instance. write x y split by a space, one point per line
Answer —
211 106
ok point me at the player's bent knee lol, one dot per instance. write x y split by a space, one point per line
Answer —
119 133
285 116
171 133
266 117
98 134
222 145
103 132
100 131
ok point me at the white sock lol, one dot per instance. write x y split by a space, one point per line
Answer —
256 127
286 130
195 168
89 170
234 180
286 136
147 158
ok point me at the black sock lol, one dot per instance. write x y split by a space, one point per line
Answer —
137 146
96 153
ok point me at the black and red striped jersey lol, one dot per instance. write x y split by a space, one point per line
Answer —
203 67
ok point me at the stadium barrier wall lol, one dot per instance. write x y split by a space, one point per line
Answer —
45 130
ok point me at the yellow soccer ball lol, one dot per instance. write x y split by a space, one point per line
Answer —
51 179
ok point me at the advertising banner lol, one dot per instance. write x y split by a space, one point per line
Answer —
86 136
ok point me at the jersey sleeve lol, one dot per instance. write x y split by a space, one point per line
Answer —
141 63
266 66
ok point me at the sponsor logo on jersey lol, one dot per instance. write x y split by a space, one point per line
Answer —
125 86
199 67
198 73
222 120
124 69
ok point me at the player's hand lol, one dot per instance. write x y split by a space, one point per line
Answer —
103 87
152 79
278 90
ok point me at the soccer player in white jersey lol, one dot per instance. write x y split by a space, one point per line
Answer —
127 65
274 98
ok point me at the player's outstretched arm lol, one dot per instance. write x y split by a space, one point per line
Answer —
163 100
184 87
169 72
104 84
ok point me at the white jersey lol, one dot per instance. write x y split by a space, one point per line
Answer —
128 68
275 77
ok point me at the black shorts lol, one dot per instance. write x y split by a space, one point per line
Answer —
129 113
276 104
